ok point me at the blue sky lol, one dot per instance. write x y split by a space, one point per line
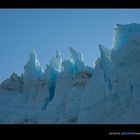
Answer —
48 30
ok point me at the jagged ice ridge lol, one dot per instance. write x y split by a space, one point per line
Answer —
69 91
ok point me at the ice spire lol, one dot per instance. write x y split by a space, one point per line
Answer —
78 59
56 61
32 69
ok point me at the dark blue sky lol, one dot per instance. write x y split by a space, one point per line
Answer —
46 31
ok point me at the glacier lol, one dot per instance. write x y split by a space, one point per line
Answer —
68 91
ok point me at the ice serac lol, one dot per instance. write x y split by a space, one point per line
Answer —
117 102
32 69
78 59
35 89
56 61
71 92
123 33
126 44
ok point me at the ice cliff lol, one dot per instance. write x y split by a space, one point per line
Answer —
69 91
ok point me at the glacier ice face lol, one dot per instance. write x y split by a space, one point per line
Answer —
52 71
64 108
115 81
56 107
51 76
68 91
